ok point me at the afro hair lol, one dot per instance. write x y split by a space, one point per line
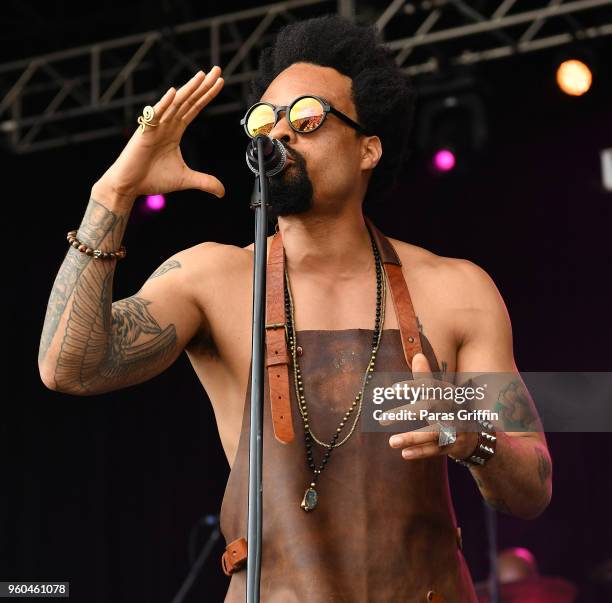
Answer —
383 96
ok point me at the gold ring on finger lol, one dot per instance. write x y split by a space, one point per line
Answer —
146 119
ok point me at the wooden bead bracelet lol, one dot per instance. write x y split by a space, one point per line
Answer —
97 254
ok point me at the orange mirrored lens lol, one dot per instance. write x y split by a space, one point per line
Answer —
260 121
307 114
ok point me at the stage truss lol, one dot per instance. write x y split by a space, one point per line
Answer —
96 91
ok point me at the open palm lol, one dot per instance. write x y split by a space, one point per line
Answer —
152 162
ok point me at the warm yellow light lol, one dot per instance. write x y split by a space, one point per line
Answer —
574 77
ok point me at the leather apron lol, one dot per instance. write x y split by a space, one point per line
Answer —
384 529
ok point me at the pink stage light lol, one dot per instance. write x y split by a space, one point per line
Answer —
155 202
524 554
444 160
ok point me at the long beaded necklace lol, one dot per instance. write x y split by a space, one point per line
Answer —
310 500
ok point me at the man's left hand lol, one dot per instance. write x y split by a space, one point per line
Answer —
423 443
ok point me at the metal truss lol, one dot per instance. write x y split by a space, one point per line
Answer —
453 33
95 91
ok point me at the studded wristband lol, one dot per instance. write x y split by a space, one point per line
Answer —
485 449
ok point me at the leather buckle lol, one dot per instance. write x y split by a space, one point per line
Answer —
279 325
282 358
235 556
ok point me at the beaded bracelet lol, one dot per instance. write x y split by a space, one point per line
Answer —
485 449
97 254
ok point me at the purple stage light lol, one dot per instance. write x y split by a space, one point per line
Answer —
444 160
155 202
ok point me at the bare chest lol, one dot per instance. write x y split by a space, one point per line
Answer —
222 360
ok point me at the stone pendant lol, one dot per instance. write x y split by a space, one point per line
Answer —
309 502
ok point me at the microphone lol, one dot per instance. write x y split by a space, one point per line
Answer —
274 155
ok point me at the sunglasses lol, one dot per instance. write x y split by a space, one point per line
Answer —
305 114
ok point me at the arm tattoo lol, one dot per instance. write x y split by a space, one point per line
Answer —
443 363
544 468
516 409
100 350
104 345
97 223
165 267
131 319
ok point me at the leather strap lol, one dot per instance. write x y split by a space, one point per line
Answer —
277 352
406 318
234 557
388 255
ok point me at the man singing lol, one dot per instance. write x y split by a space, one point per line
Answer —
350 516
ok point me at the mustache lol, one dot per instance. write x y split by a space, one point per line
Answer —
295 155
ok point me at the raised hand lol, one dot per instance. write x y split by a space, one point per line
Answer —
152 162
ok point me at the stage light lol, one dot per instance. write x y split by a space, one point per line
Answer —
574 77
444 160
155 202
452 129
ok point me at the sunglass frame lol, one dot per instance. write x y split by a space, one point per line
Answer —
327 108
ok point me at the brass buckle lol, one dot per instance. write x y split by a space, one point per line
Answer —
279 325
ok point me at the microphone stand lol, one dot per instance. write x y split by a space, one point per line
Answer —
254 521
198 563
491 523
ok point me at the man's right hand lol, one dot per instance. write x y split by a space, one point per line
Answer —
151 162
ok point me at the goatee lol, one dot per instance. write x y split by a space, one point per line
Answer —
291 190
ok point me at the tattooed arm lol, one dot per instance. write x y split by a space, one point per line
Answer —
90 345
518 479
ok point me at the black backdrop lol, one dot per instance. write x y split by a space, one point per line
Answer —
103 491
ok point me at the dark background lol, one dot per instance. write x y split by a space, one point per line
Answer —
103 491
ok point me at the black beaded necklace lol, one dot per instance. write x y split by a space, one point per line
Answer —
310 500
